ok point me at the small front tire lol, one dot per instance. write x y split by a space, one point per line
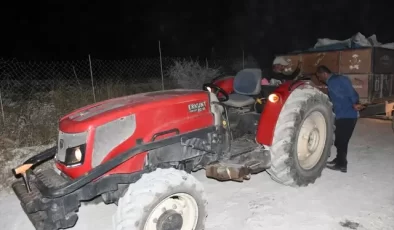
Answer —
165 199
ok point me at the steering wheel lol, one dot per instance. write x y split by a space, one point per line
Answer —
217 90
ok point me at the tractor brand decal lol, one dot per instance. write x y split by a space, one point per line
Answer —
354 62
197 107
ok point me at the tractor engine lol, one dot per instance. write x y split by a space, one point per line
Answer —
195 153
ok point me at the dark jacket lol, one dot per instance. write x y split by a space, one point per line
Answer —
343 96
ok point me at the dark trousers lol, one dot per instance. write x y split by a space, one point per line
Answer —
344 128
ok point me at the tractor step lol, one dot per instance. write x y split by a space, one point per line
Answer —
242 145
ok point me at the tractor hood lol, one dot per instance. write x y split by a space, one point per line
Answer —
100 113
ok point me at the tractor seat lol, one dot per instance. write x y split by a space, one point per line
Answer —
239 100
247 83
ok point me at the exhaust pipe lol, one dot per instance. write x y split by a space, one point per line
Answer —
226 172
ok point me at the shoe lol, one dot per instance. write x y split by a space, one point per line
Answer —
332 163
337 167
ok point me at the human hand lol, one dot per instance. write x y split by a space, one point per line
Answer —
358 107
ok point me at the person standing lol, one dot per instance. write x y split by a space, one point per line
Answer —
346 107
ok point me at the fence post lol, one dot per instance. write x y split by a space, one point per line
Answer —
243 59
91 77
161 68
2 108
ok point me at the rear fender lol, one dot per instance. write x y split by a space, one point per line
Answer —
270 115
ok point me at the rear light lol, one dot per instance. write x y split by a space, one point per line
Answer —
273 98
75 155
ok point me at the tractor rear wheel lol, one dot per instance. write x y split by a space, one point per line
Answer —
303 137
165 199
392 121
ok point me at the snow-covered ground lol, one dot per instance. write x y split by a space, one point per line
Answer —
361 199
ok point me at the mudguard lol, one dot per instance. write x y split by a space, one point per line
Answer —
270 114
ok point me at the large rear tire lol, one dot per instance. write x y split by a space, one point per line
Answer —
162 200
392 121
303 137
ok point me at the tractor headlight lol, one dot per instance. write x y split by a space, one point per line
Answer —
75 155
209 89
273 98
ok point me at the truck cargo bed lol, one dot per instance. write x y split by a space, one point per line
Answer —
371 70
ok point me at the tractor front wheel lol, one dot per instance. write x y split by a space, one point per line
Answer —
165 199
303 137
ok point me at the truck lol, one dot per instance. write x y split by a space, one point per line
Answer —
370 69
140 151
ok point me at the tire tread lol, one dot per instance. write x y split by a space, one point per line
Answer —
282 168
134 205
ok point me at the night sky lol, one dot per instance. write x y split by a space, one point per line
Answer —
69 30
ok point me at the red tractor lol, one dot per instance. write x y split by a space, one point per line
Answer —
139 151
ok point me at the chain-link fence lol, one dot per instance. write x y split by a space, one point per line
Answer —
34 95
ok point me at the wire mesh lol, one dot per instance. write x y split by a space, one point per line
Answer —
34 95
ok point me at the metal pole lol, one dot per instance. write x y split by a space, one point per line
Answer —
161 68
91 77
243 59
2 108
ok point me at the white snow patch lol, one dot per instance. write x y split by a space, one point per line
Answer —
358 38
364 195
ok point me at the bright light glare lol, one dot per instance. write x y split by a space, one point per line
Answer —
273 98
78 154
